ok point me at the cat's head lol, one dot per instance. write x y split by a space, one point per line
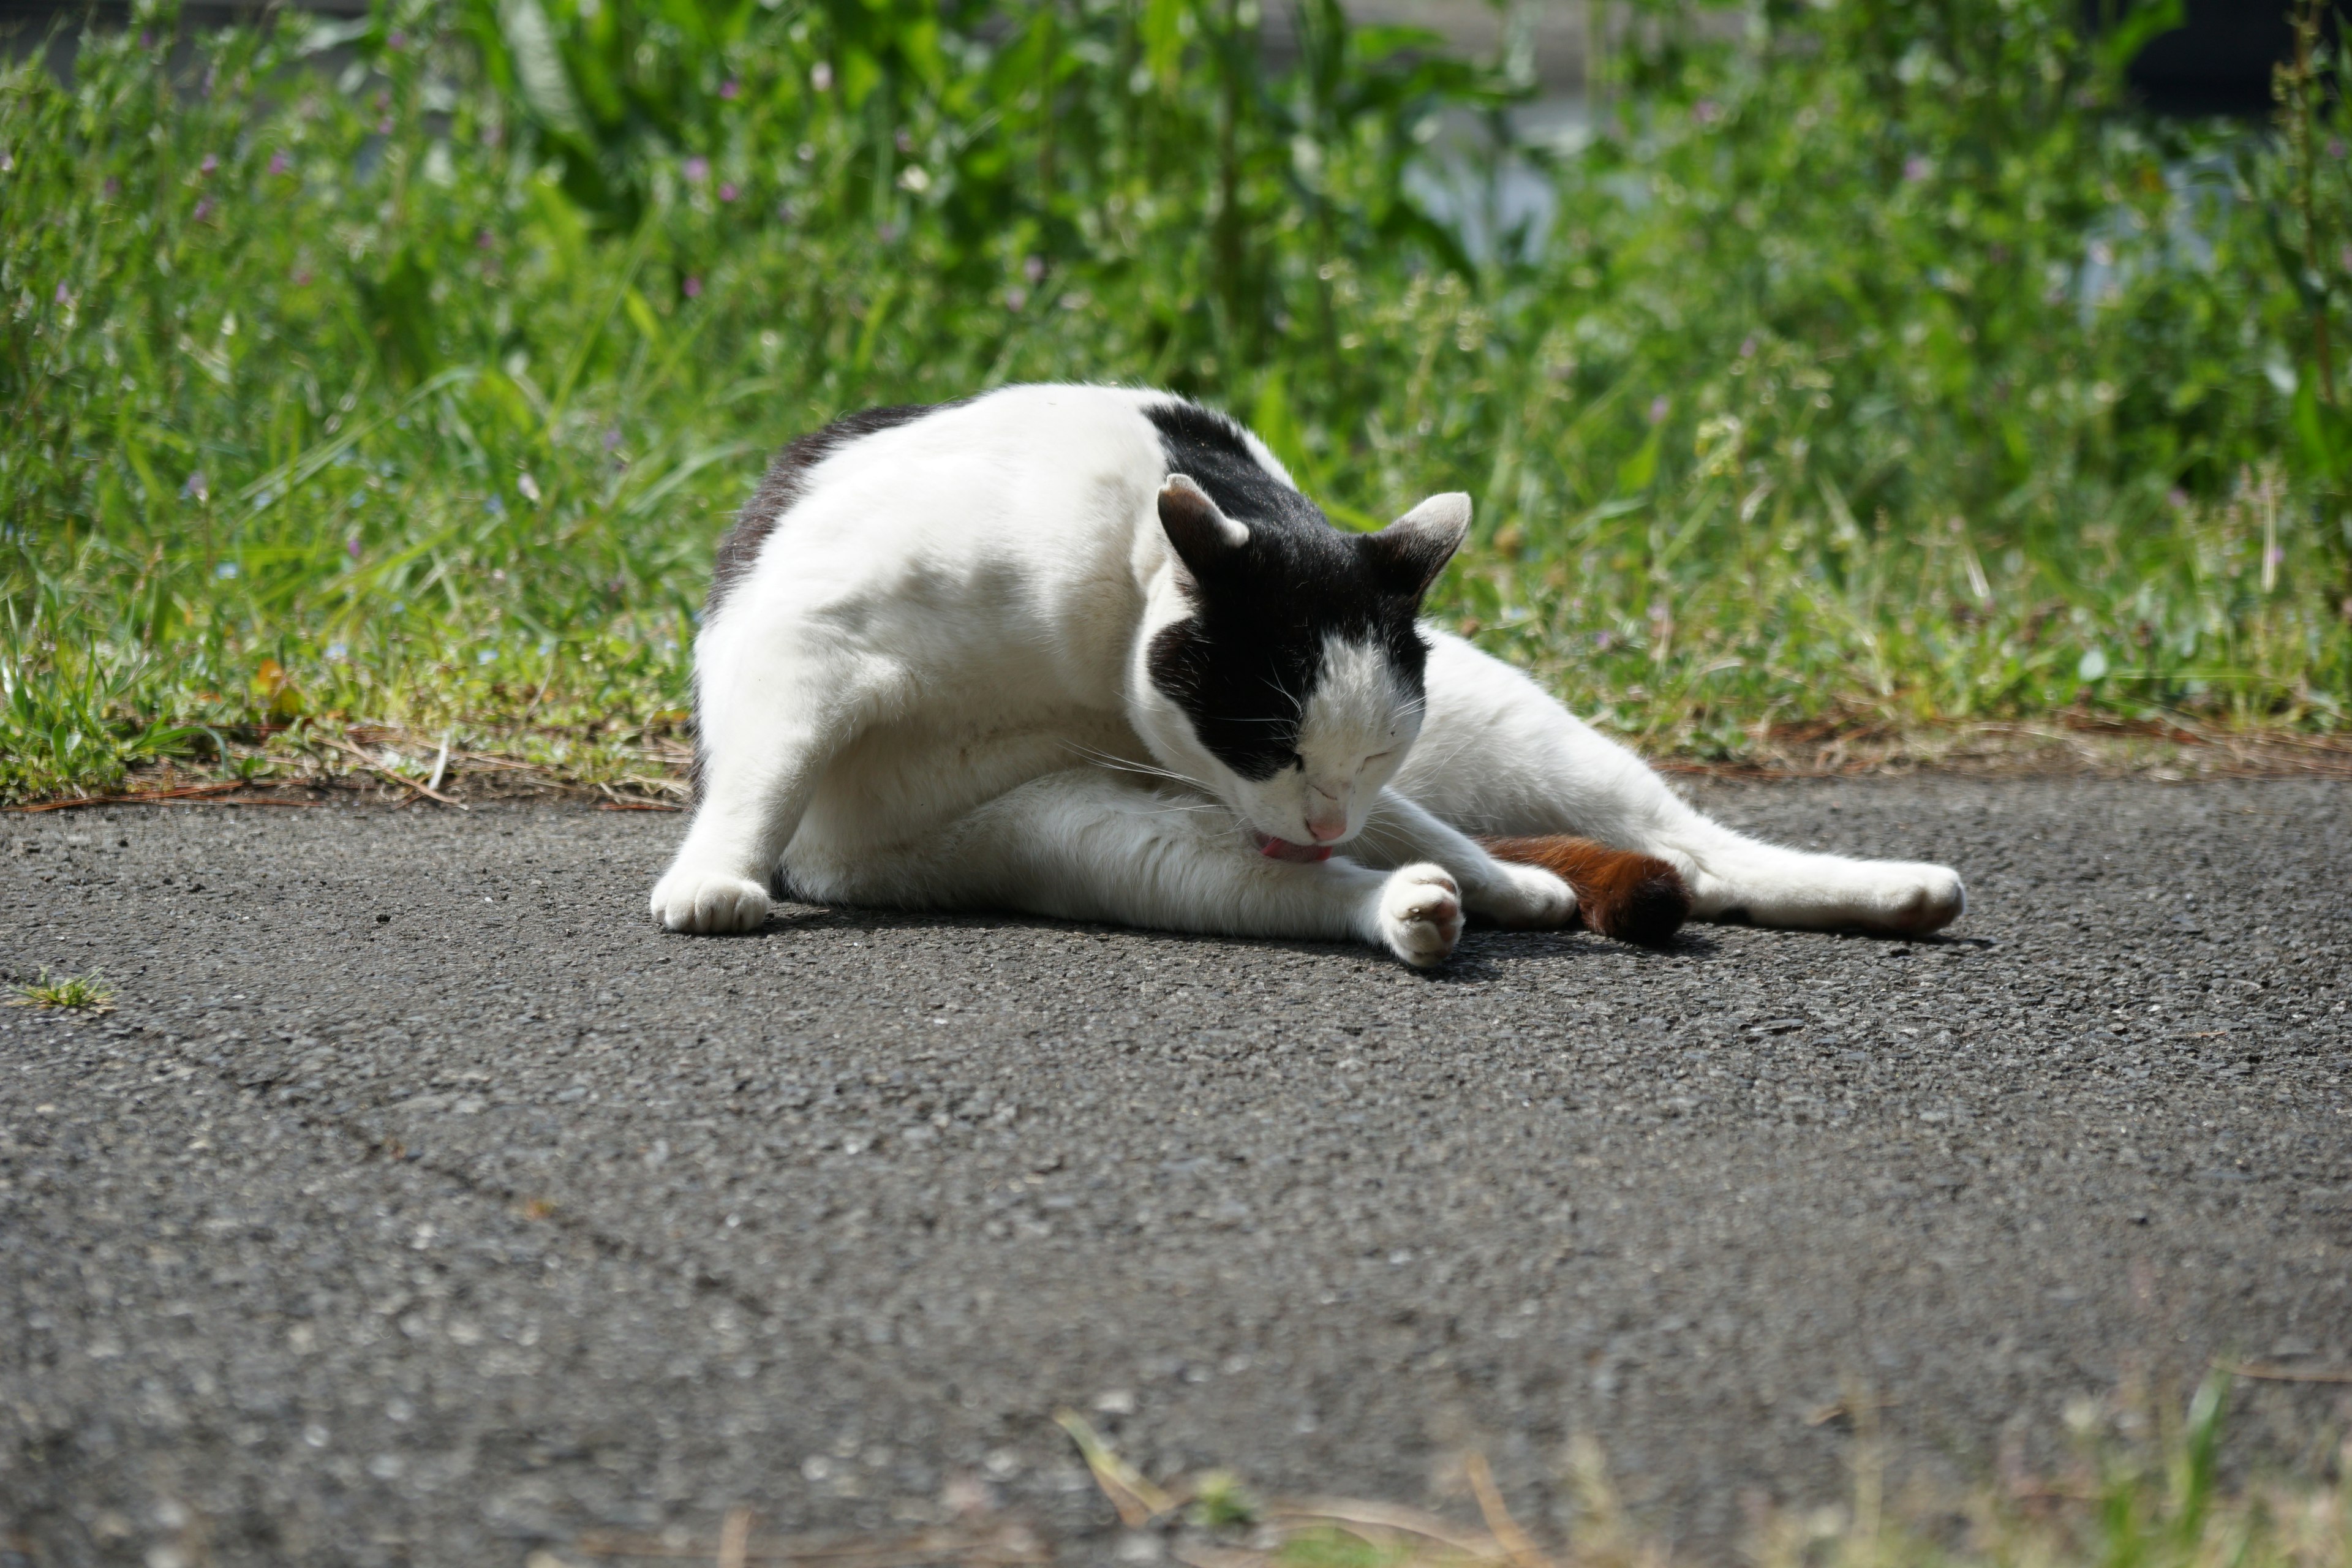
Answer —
1293 686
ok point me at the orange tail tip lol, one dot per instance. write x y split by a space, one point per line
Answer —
1629 897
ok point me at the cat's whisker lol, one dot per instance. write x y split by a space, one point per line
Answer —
1128 765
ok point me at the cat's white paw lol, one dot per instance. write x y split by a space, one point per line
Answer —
1525 898
1889 897
1421 914
707 901
1916 899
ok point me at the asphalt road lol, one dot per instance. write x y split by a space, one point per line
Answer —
422 1203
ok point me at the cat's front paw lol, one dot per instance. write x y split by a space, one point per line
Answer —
1421 914
1525 898
707 901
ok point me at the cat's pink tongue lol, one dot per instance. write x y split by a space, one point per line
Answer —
1299 854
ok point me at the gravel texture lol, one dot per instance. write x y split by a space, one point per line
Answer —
421 1203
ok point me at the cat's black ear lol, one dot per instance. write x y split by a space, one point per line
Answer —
1407 555
1206 539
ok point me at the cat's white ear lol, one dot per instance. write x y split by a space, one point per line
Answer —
1408 555
1204 537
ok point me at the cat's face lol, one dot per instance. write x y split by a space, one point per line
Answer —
1293 688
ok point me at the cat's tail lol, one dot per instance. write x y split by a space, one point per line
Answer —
1621 894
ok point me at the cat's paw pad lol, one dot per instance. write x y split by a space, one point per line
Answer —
1421 914
708 902
1527 898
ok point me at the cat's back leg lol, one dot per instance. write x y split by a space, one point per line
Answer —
1088 844
1499 756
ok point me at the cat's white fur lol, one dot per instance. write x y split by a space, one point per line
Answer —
929 689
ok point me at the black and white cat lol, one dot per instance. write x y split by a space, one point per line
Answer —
1088 652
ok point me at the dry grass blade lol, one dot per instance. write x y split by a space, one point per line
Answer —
1515 1541
1137 1500
735 1535
1192 1554
1354 1514
2270 1373
140 797
390 774
1010 1544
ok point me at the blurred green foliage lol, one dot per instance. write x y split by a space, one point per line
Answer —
1876 367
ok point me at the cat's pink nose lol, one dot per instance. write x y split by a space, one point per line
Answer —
1326 832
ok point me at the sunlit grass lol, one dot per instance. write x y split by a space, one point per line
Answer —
1831 400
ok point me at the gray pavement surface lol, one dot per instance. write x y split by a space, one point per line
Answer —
421 1203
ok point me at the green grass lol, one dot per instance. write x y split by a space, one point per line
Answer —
91 993
1876 372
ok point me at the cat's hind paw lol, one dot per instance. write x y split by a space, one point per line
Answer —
1922 899
1421 914
1525 898
708 902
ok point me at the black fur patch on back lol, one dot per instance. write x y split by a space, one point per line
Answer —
783 485
1243 665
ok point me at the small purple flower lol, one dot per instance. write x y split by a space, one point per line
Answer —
197 488
351 547
65 297
1033 270
1705 111
2335 146
203 209
1916 168
2274 555
383 126
146 40
698 169
1603 641
113 187
694 288
1748 347
1015 297
612 439
208 166
787 213
2177 498
397 42
301 278
279 162
484 240
728 89
1658 406
727 191
888 234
